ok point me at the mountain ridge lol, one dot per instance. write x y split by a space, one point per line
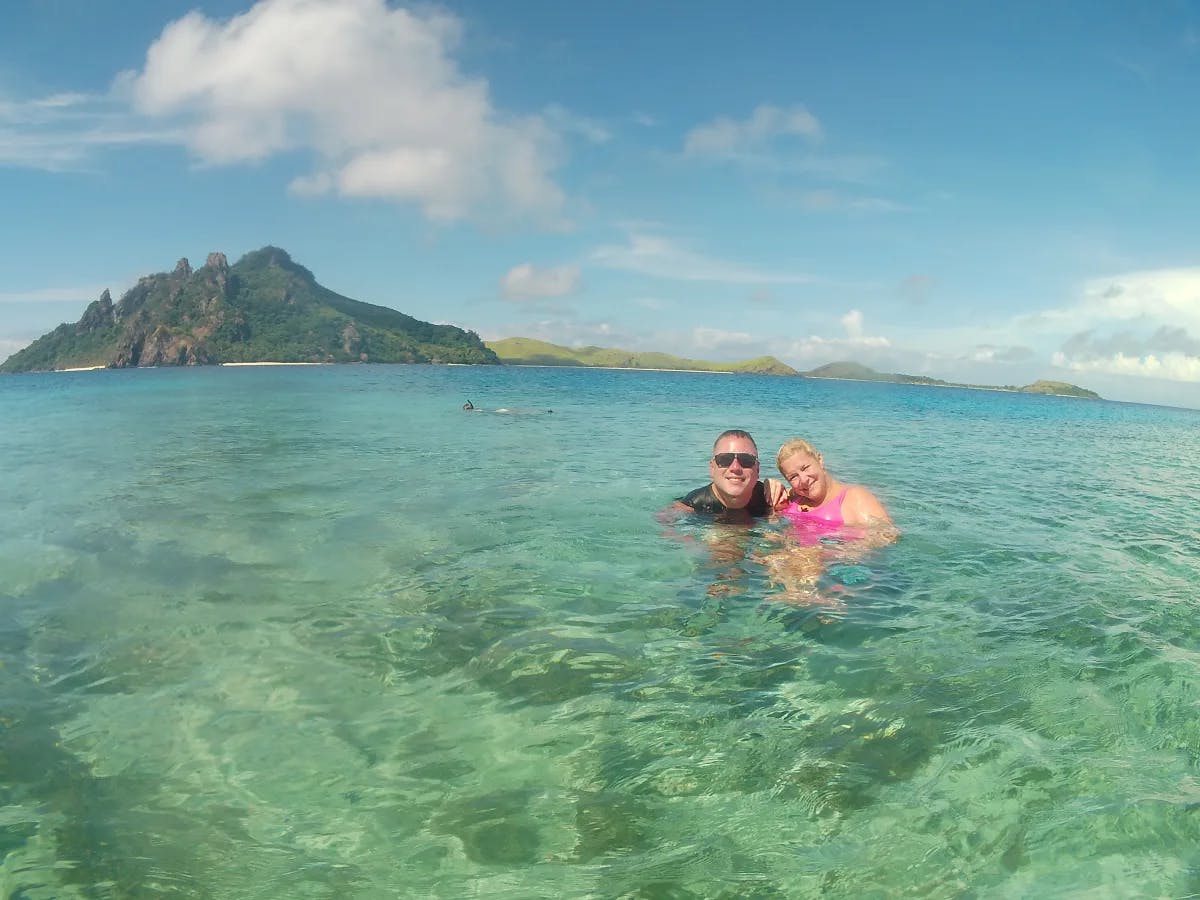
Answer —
269 308
264 308
520 351
531 352
852 371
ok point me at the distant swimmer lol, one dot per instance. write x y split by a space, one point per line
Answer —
505 410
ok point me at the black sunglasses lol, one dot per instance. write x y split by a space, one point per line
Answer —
725 460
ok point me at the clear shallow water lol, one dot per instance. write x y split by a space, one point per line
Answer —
316 632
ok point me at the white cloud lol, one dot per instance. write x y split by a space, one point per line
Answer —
663 258
1169 366
853 322
854 345
989 353
1138 323
372 91
709 339
567 122
57 133
724 137
1169 296
526 282
825 348
570 333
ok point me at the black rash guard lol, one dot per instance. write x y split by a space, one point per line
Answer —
705 500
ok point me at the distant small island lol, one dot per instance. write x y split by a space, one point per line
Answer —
520 351
849 371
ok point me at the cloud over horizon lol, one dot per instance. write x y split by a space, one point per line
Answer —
1138 323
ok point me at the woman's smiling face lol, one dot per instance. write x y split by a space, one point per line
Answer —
806 474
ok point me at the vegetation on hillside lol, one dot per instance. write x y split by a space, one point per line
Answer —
265 308
529 352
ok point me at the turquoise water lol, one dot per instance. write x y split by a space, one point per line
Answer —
317 632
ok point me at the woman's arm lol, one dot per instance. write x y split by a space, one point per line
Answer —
863 508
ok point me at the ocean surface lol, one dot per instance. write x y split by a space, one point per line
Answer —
316 632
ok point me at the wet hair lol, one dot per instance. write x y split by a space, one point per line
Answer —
794 446
734 433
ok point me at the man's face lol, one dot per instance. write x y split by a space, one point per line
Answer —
734 480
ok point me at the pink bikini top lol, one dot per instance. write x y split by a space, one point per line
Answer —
810 525
828 513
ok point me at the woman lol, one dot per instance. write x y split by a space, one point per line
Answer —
832 521
817 498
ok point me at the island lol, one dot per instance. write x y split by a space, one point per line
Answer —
851 371
264 308
522 351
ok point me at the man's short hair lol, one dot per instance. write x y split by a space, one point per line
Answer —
735 433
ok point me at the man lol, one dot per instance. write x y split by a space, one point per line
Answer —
735 491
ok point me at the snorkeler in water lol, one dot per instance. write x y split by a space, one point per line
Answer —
505 411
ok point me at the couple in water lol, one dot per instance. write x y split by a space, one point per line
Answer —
828 519
810 494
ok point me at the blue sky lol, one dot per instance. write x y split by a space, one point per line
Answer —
991 193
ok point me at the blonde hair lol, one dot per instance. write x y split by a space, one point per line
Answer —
794 446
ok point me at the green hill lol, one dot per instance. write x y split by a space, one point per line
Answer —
265 308
1060 389
852 371
521 351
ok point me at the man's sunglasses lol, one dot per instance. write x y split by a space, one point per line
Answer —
725 460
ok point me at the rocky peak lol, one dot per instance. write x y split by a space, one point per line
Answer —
184 268
99 314
277 256
218 261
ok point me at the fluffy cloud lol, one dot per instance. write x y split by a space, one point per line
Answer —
988 353
527 282
573 333
710 339
58 133
372 91
1169 366
1139 323
1168 352
854 345
661 257
724 137
853 322
1167 296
